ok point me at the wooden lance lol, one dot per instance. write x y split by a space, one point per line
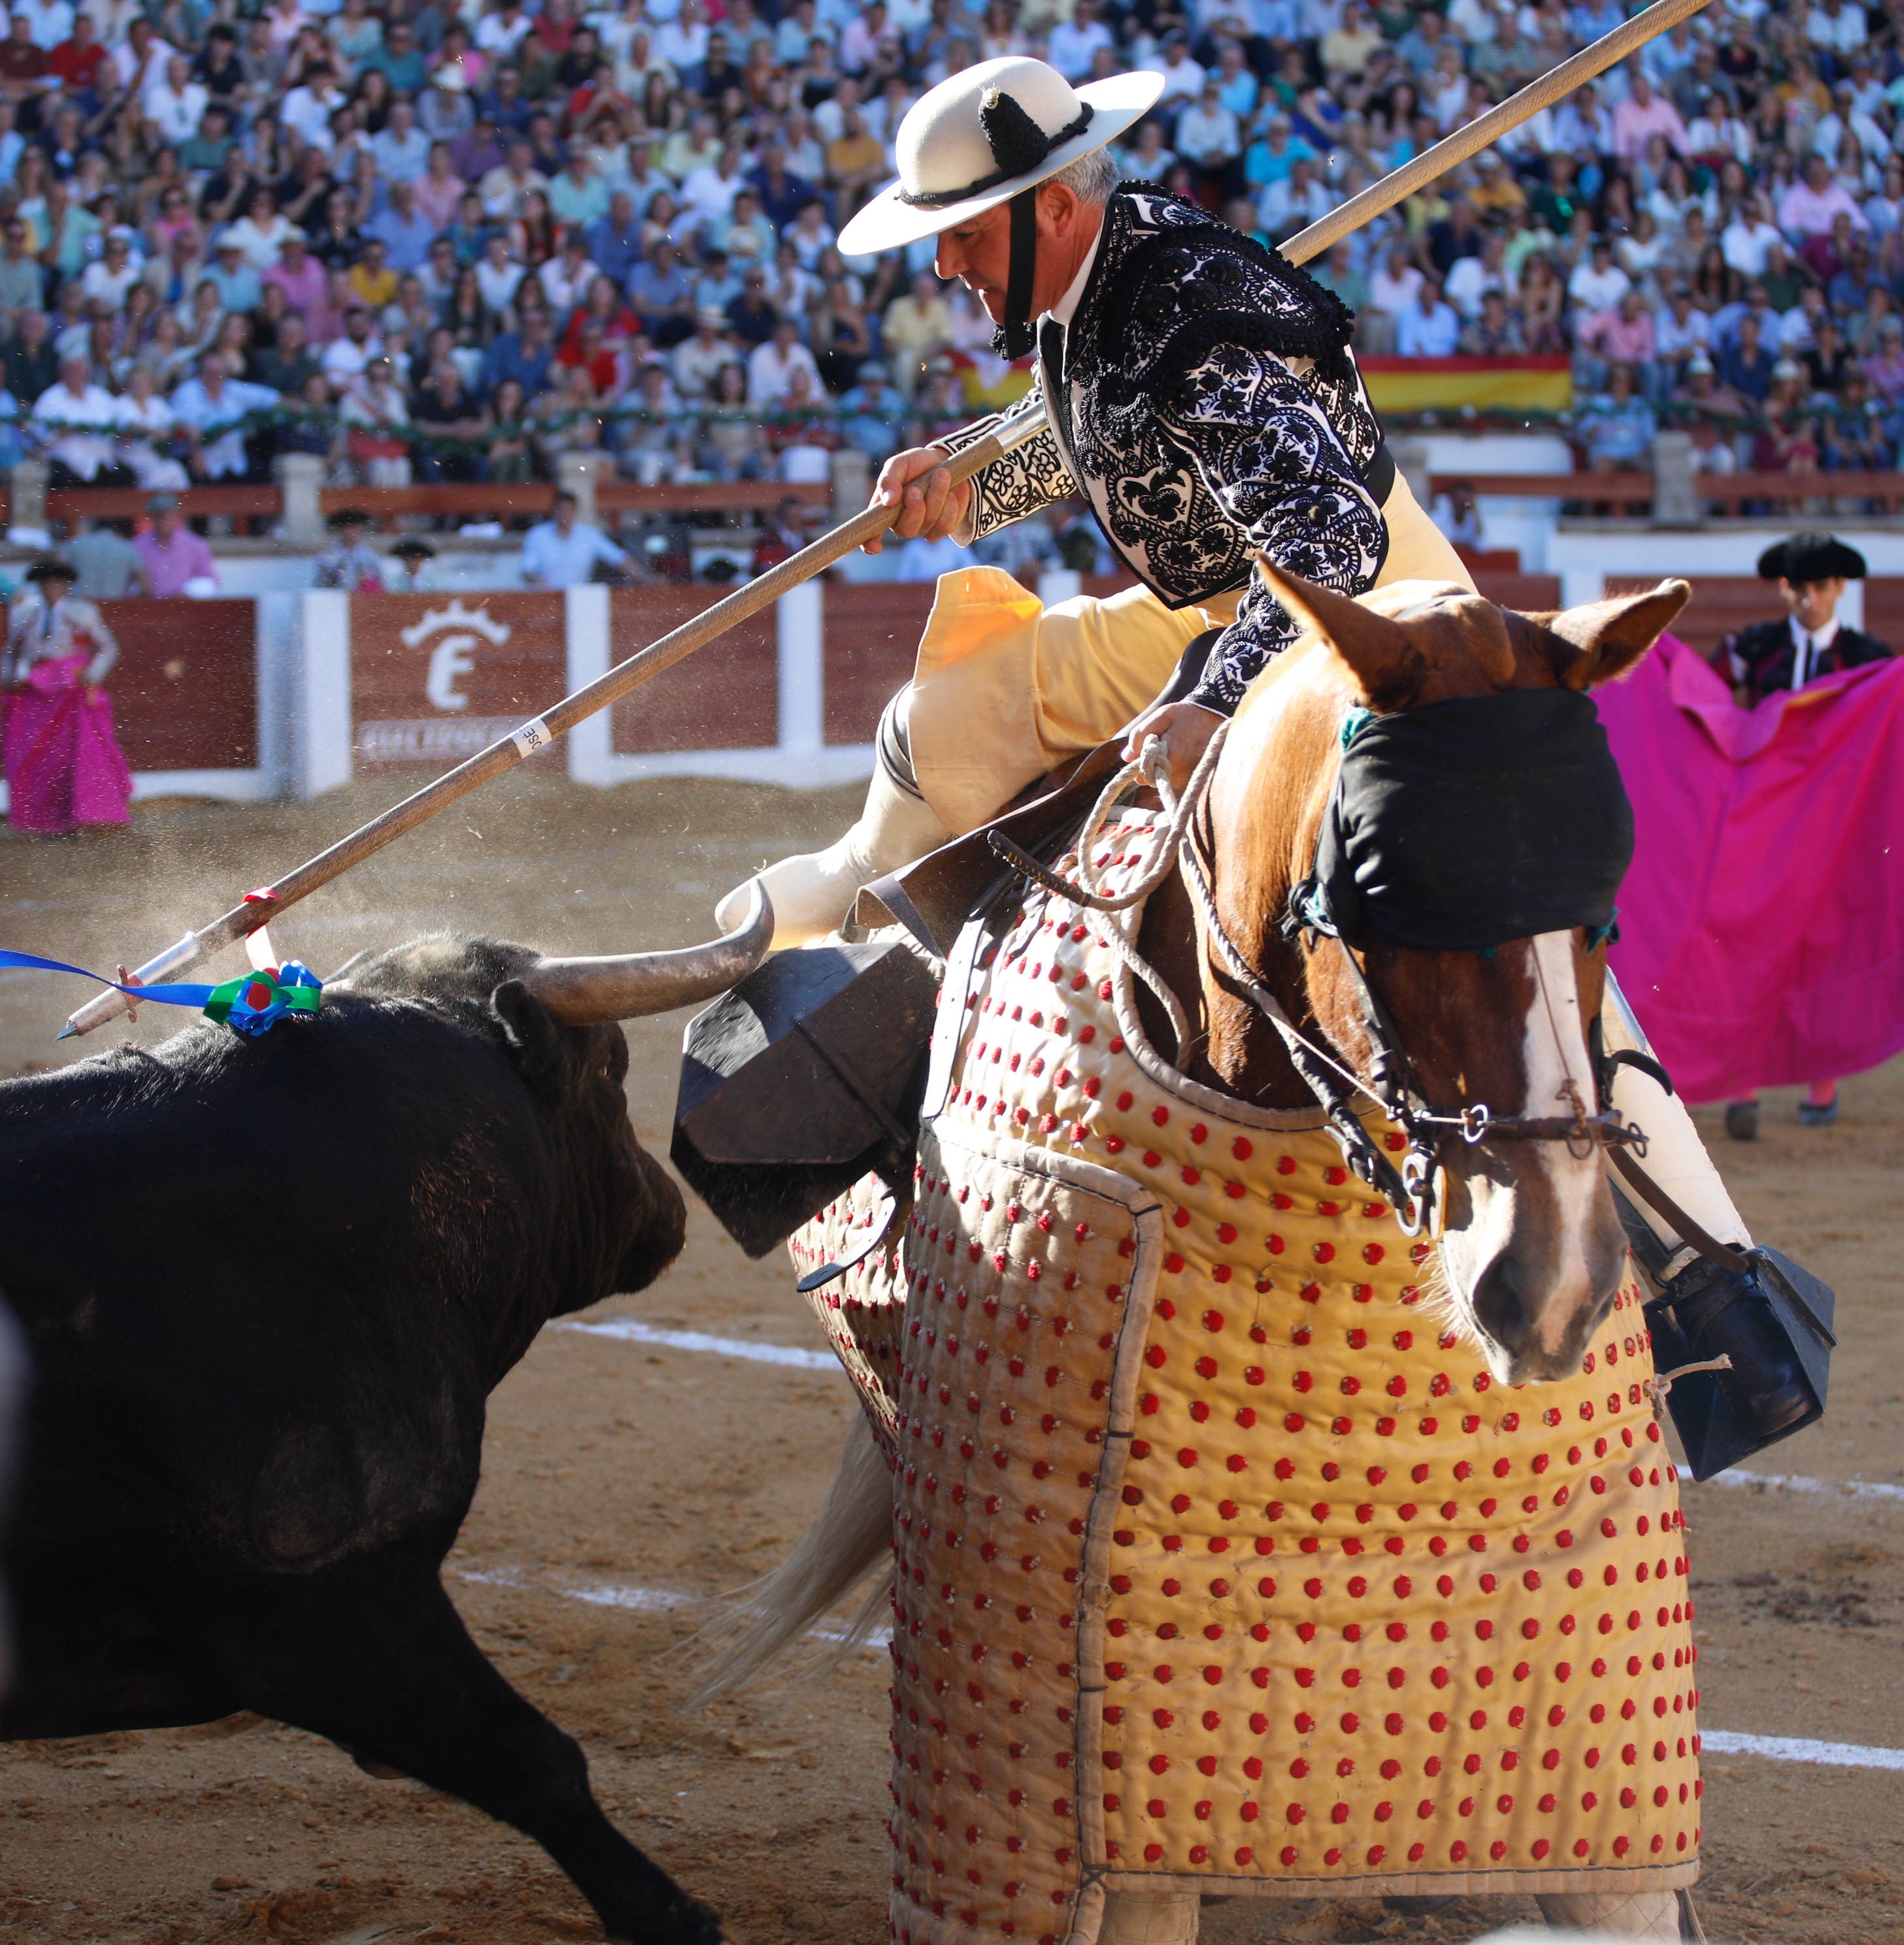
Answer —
261 907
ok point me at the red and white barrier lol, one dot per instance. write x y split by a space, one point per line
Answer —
790 696
296 693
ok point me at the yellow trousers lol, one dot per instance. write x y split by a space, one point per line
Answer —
1006 688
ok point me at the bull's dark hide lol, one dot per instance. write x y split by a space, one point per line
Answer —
13 1387
268 1287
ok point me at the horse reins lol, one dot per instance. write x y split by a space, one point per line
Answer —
1391 1084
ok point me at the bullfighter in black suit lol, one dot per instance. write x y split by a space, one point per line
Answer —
1770 657
1775 658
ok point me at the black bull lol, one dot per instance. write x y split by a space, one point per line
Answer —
268 1287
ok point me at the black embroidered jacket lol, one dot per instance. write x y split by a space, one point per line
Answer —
1209 410
1762 656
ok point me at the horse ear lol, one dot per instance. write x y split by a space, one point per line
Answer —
1377 650
1609 636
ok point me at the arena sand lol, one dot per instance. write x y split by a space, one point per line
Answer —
646 1478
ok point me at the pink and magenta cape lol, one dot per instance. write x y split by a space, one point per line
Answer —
64 766
1762 925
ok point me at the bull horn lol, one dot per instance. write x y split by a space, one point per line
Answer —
589 992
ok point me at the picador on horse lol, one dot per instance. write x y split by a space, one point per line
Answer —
1265 1425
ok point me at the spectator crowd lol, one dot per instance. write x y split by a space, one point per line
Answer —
1709 234
427 242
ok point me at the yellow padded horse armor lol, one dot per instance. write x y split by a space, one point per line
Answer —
1220 1566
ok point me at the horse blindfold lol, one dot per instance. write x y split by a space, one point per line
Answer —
1460 826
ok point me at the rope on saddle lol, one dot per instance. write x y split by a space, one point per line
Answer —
1150 767
1661 1383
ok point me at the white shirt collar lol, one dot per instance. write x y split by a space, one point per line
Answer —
1819 638
1808 645
1066 307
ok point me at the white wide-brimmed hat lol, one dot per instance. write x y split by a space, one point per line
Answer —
983 135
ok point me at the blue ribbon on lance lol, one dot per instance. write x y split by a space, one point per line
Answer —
251 1004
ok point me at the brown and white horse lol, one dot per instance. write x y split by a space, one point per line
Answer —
1531 1249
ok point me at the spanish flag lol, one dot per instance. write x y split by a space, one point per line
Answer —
1487 384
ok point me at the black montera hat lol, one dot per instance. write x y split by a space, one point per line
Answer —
52 569
1811 557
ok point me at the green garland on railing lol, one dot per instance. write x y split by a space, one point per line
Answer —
1475 418
1674 415
691 417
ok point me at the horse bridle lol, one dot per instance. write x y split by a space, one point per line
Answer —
1391 1081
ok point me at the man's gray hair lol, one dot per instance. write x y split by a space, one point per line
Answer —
1091 178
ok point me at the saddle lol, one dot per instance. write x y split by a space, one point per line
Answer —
933 897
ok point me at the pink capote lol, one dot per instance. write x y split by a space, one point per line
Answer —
64 766
1762 925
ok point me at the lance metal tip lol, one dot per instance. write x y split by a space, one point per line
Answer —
109 1004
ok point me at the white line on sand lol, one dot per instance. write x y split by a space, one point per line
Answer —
1799 1748
1792 1482
637 1333
643 1600
640 1600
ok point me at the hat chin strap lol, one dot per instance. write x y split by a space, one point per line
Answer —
1014 338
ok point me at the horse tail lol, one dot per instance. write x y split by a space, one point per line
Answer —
850 1535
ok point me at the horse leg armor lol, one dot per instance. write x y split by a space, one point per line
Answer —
812 892
1149 1917
1676 1158
1653 1915
1170 1918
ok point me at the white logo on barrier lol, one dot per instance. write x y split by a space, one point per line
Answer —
450 658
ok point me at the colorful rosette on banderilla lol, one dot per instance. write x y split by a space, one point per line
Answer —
250 1005
256 1002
